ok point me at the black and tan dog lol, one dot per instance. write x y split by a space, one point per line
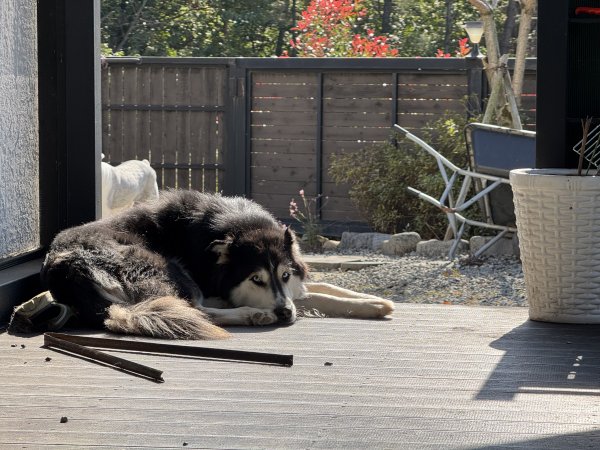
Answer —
183 265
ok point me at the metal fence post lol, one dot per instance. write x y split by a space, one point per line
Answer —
237 158
475 86
319 147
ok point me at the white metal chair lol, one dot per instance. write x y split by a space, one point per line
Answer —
454 176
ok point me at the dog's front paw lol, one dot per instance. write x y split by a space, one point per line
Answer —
262 317
373 308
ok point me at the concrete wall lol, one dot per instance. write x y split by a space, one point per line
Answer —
19 180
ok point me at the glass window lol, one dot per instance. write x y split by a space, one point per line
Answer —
19 142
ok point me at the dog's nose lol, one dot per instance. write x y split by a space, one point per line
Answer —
285 314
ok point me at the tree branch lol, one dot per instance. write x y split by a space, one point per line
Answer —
134 21
527 11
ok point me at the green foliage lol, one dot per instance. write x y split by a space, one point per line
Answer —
194 27
421 25
379 176
263 27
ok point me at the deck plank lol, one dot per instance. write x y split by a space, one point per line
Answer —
436 376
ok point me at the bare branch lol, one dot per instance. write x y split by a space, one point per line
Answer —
482 6
527 10
134 21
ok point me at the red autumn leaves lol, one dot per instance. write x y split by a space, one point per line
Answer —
333 28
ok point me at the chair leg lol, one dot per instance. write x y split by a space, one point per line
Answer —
457 240
490 243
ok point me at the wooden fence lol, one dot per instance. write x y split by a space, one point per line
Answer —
267 128
172 115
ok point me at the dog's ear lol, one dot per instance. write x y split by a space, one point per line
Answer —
221 249
289 238
291 245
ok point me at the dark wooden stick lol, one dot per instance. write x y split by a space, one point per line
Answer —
154 347
56 340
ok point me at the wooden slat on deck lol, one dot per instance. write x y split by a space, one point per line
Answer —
433 377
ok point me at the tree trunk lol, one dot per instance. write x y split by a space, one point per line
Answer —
491 36
448 25
502 96
495 100
386 17
527 11
509 27
513 107
282 28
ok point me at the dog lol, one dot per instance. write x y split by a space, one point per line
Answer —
183 266
123 185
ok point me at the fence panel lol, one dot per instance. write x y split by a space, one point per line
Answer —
357 109
288 118
172 115
283 118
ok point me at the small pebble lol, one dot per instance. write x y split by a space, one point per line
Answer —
48 359
13 345
64 419
185 444
328 364
22 345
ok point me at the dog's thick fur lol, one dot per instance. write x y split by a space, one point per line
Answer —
182 265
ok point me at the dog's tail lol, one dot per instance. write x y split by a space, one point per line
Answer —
165 317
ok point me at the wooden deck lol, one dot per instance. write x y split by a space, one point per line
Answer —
436 376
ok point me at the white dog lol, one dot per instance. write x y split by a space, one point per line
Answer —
128 183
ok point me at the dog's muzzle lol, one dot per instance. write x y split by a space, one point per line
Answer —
286 314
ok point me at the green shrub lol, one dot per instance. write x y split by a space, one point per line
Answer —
380 174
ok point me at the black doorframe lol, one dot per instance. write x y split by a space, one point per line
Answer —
69 134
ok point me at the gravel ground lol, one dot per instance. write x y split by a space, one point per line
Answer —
494 281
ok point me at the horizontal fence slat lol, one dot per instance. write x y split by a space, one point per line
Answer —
290 160
432 92
284 104
430 106
284 118
356 133
357 118
261 90
287 77
367 105
336 208
284 173
330 147
293 187
291 131
283 146
439 79
357 77
358 91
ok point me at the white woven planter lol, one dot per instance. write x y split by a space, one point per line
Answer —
558 223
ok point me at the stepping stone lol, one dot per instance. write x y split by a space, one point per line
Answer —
343 262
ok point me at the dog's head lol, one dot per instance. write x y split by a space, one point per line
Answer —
262 269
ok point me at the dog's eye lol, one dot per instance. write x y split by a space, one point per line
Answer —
256 280
285 276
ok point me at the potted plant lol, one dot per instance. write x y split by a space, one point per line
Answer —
558 224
